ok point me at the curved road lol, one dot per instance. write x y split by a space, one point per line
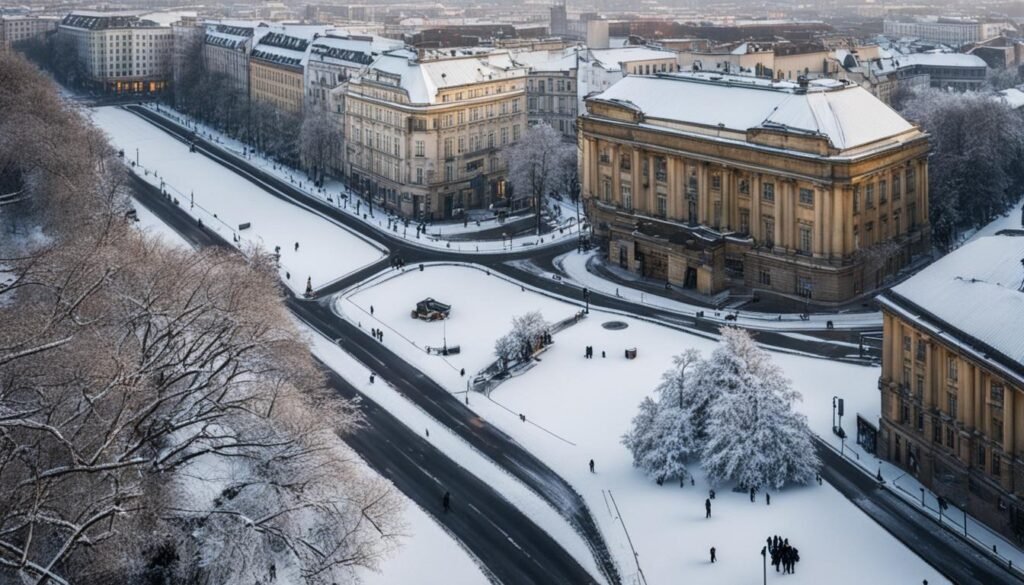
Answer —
960 562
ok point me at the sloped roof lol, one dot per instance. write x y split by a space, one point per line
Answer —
848 115
976 290
422 80
611 59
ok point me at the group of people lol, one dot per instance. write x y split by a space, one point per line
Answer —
377 334
783 554
588 351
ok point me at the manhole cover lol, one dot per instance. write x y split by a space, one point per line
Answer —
614 325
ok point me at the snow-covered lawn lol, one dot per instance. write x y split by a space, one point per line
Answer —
333 188
223 200
577 409
482 311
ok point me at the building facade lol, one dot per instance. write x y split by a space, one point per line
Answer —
226 49
424 133
815 190
952 382
15 29
277 71
947 31
552 91
121 52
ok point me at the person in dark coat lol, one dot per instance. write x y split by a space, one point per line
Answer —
707 507
591 466
713 559
446 501
767 499
751 494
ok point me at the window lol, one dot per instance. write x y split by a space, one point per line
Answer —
997 465
744 221
661 168
911 181
515 132
625 161
768 191
805 239
462 144
606 190
906 343
904 412
768 231
504 136
856 199
936 430
920 387
419 175
869 196
662 205
744 186
807 197
716 182
448 148
996 394
883 194
896 194
996 433
449 172
981 456
627 197
765 277
921 349
804 286
951 367
950 438
951 404
919 417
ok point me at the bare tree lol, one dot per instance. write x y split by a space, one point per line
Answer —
538 164
157 403
319 141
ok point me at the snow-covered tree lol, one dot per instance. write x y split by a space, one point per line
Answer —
538 164
976 170
662 437
319 141
527 336
753 435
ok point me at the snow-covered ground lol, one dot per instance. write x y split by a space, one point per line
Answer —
577 409
152 225
546 517
1011 220
223 200
380 220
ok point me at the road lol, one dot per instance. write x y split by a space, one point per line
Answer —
501 262
960 562
437 402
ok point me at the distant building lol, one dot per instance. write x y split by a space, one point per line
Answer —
559 21
948 31
551 88
706 181
952 382
226 48
15 29
122 51
886 72
425 132
1000 53
947 70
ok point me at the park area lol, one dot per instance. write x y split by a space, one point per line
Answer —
574 410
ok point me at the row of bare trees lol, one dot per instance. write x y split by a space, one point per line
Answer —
161 419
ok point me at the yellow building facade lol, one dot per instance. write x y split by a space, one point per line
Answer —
952 382
708 183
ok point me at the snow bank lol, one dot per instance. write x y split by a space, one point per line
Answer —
224 200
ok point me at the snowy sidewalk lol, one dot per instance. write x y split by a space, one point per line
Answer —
341 197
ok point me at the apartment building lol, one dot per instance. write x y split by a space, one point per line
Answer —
424 131
952 381
947 31
706 181
277 66
551 88
121 51
15 29
226 48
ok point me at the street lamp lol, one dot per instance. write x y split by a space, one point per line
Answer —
586 299
764 561
837 406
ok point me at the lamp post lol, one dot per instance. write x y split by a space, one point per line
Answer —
136 157
764 563
586 299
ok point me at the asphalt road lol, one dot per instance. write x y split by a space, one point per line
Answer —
512 548
961 563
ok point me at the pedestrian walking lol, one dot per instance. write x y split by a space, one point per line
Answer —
767 499
462 372
751 494
591 466
373 332
428 432
372 377
446 502
707 508
371 310
380 335
296 246
713 559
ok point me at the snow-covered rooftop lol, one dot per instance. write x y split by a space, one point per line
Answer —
544 60
611 59
848 115
354 50
1012 97
423 80
942 60
976 289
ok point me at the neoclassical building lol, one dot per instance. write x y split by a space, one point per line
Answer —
815 189
952 382
425 131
